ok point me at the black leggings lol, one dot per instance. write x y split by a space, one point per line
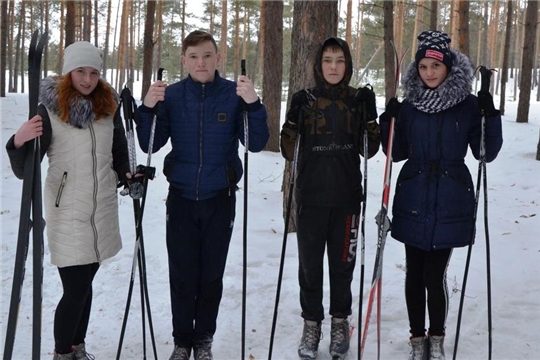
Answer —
426 270
73 310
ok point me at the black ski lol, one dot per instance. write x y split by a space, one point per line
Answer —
137 189
31 201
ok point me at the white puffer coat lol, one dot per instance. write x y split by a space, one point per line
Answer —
80 194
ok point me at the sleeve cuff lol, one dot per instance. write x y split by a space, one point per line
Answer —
254 106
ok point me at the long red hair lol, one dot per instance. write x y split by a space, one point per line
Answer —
102 98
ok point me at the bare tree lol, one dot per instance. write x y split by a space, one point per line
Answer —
273 69
223 39
527 61
433 19
463 10
389 55
70 23
148 42
3 46
506 55
313 21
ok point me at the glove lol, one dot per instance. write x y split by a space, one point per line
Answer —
301 99
366 95
485 102
391 111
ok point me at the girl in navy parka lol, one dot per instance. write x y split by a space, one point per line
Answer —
434 198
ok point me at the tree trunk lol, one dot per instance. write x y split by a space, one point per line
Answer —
348 26
273 70
506 55
3 47
389 55
148 42
223 39
70 23
434 17
527 61
236 46
418 21
313 22
463 9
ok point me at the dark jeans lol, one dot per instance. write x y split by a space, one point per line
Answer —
426 270
337 230
73 311
198 237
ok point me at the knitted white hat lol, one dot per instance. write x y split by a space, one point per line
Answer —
79 54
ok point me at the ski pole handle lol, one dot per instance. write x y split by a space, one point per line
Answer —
243 66
485 78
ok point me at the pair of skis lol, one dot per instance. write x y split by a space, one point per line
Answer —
137 189
31 215
383 226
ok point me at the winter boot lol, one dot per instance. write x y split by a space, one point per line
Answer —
180 353
419 349
309 344
339 338
81 354
436 348
69 356
203 352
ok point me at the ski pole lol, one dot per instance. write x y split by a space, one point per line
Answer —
363 230
292 181
485 83
244 244
138 192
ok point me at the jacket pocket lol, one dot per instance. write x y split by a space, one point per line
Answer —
61 189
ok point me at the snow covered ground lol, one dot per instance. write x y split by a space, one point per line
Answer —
514 201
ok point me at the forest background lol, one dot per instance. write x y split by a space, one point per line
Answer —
278 39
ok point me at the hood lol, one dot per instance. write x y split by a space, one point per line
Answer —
317 67
458 83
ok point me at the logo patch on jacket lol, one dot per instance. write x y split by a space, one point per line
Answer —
222 117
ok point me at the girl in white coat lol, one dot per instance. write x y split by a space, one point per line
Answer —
87 151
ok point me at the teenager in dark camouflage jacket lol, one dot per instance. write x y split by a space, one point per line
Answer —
330 118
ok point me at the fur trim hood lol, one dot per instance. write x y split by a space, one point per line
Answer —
81 112
458 83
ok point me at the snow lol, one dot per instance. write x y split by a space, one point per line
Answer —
514 198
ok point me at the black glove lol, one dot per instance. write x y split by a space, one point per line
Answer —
485 102
366 95
301 99
391 111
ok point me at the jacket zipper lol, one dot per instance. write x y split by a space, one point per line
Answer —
94 175
61 189
201 123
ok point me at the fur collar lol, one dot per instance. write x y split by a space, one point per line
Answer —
457 85
81 112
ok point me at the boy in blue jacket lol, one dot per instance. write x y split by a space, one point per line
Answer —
202 116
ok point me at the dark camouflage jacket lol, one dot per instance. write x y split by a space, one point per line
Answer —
331 130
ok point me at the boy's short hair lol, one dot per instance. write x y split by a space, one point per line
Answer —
197 37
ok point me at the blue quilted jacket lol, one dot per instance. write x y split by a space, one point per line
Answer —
434 198
204 123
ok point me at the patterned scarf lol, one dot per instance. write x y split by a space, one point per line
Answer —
454 89
430 101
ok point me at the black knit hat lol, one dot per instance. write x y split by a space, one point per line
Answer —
436 45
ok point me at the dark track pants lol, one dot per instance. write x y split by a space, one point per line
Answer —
337 230
426 270
198 237
73 311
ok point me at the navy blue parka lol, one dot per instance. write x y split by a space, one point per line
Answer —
204 123
434 198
